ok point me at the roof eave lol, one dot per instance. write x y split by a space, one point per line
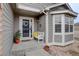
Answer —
64 11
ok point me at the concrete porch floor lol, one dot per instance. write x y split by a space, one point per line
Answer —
29 48
32 48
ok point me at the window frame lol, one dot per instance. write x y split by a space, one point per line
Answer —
58 30
70 21
56 23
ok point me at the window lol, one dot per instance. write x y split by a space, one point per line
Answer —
68 24
57 19
66 20
71 24
57 27
66 28
71 28
57 23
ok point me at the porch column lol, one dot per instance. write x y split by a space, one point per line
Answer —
63 28
46 34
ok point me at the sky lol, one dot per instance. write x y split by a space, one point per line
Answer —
75 7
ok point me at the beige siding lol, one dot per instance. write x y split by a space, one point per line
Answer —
7 18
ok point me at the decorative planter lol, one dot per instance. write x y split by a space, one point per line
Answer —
17 41
46 48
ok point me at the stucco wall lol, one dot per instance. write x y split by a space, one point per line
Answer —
7 18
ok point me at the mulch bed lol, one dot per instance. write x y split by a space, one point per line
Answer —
73 53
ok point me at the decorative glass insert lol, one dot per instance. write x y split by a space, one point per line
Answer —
31 27
25 27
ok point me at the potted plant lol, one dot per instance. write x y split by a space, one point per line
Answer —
46 48
17 37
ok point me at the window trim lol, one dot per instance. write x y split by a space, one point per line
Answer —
55 23
58 28
69 23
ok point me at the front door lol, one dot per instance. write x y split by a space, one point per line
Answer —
26 28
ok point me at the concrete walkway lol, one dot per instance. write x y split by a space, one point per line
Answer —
29 48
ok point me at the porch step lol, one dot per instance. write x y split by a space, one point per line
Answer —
28 48
33 52
37 52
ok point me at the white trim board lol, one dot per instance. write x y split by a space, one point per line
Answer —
46 34
64 11
61 44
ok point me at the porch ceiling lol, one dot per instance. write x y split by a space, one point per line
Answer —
26 13
29 9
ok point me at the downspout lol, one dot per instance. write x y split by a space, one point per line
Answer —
46 32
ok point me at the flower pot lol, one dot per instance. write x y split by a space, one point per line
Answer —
46 48
17 41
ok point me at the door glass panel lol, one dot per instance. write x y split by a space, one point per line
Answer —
25 27
31 27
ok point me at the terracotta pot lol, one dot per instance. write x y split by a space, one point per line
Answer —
46 48
17 41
